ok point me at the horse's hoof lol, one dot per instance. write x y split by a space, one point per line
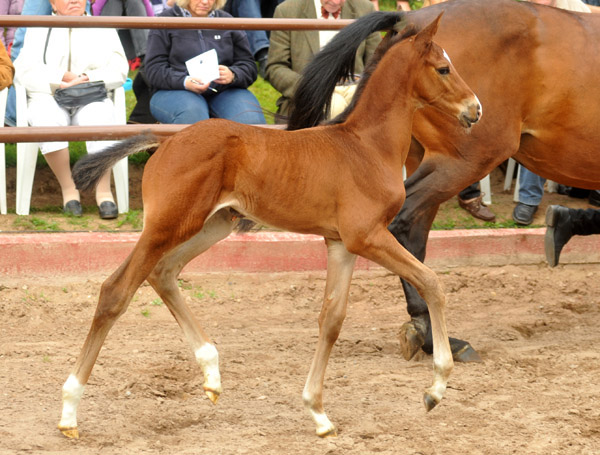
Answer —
71 433
212 395
467 354
411 340
430 401
331 433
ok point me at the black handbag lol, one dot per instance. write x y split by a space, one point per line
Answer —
79 95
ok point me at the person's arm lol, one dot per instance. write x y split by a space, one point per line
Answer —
159 71
7 70
279 67
243 66
113 68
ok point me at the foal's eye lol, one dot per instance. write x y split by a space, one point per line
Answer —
443 71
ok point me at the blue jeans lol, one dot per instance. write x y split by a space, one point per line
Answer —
185 107
531 187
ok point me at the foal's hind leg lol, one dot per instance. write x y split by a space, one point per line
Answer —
164 281
382 248
115 295
340 264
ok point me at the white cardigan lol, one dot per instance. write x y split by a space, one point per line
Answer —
96 52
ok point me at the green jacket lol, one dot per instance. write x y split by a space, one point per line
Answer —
291 50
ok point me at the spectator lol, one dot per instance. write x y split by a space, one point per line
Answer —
30 8
562 224
7 70
291 50
531 186
183 98
258 39
59 58
10 7
136 36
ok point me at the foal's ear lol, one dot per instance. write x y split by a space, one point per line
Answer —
425 36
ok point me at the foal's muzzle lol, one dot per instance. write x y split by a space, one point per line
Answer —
471 114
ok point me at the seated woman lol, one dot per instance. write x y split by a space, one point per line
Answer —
59 58
183 98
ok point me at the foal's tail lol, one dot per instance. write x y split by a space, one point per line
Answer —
88 170
335 62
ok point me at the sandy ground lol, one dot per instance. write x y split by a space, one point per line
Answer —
536 392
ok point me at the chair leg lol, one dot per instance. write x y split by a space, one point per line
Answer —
516 194
510 172
486 190
121 176
26 160
3 210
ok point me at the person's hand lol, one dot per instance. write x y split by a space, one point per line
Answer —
70 79
196 86
226 76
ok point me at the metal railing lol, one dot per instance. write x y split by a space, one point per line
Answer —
88 133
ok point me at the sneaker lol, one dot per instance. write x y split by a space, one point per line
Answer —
477 208
523 214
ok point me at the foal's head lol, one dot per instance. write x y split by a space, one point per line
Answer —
438 84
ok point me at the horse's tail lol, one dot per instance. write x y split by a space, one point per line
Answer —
89 169
335 62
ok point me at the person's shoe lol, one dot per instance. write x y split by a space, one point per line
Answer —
108 210
523 213
73 208
594 198
558 232
477 208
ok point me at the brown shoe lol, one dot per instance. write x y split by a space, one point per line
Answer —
477 208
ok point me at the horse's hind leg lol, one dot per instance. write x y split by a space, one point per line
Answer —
115 295
382 248
164 281
340 264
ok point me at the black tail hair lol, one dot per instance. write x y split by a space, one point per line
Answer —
335 62
89 169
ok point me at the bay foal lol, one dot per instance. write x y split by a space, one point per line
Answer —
343 182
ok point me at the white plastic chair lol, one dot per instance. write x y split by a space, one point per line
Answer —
27 154
3 96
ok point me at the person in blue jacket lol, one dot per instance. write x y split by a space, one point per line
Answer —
179 97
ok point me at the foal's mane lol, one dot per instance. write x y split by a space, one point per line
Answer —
392 37
335 62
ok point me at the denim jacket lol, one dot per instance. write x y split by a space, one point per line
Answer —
167 51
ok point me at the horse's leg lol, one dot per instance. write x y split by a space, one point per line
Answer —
115 295
381 247
164 281
411 228
340 264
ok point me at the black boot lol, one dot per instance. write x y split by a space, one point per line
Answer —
558 232
594 198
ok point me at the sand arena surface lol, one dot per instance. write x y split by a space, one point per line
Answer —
537 391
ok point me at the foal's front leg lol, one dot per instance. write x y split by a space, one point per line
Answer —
340 265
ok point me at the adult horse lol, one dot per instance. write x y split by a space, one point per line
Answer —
535 70
340 181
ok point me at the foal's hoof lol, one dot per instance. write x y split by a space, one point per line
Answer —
411 340
331 433
71 433
212 395
467 354
430 401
